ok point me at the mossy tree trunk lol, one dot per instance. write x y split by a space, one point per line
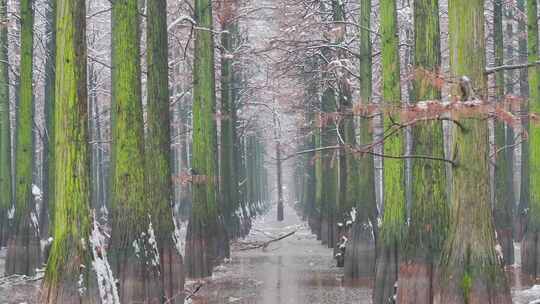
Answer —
360 254
530 246
524 194
46 210
393 217
5 130
228 176
202 239
158 152
133 251
308 176
428 224
504 195
348 163
23 255
329 168
69 277
470 271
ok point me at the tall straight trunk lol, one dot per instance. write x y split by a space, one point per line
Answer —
348 165
133 252
158 151
318 168
23 255
308 176
5 130
428 222
393 218
360 255
69 276
202 235
279 173
504 194
530 246
228 176
46 211
279 170
470 271
524 194
329 170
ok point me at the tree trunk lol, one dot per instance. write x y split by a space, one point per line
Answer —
504 194
70 276
133 252
46 214
429 212
524 195
530 253
202 235
329 168
360 254
228 176
23 255
393 218
158 152
5 130
470 271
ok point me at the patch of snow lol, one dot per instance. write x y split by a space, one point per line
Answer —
35 222
353 214
499 251
179 236
80 285
153 244
11 213
135 245
106 281
36 192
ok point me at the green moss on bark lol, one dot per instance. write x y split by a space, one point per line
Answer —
23 247
47 209
134 259
202 239
158 150
393 217
68 277
530 260
5 129
469 251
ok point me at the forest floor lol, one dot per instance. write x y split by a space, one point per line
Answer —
294 270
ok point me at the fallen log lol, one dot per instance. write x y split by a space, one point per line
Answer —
263 245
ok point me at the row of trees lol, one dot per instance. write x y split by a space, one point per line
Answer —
139 250
448 241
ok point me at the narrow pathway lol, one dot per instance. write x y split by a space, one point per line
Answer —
295 270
